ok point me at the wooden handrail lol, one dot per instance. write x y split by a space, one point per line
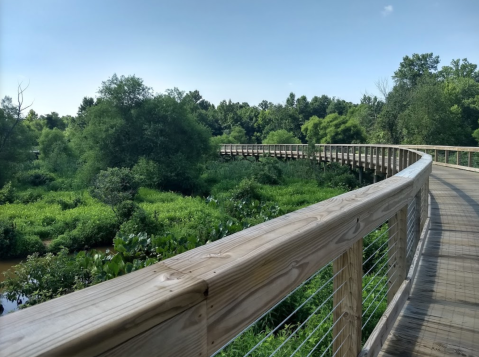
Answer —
195 302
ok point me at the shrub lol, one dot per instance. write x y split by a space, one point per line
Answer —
63 241
61 184
337 176
7 238
28 196
246 189
126 209
147 172
140 222
37 177
14 244
268 171
7 194
114 186
27 245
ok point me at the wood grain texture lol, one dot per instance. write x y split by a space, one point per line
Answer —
466 168
240 276
182 335
397 266
95 319
348 270
248 272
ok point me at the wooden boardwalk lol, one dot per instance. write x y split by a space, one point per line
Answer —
441 317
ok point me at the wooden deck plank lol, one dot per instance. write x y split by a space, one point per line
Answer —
441 317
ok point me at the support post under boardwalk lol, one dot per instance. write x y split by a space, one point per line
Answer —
397 244
348 299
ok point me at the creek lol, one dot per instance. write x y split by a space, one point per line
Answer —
9 306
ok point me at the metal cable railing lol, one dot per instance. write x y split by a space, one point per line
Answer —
379 275
412 231
300 324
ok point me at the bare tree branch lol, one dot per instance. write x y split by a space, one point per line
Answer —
20 109
382 84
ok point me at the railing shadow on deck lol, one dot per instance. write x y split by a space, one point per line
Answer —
194 303
400 335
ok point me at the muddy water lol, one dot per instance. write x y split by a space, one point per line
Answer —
4 266
9 306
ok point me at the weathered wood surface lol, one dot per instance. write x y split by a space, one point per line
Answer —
94 320
472 169
397 251
240 277
247 273
182 335
347 284
441 317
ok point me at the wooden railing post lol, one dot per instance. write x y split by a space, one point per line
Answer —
389 163
348 301
446 156
394 158
354 157
359 159
383 160
376 166
401 163
458 159
397 251
366 158
469 159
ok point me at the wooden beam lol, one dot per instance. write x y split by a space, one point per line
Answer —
91 321
282 253
383 160
397 268
354 158
347 301
182 335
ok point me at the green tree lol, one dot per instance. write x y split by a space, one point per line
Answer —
312 130
115 186
55 153
53 120
128 123
16 141
411 69
334 129
459 69
281 137
86 103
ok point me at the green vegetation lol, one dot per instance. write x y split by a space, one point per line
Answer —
140 171
243 193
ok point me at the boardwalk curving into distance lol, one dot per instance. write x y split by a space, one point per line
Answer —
195 303
441 316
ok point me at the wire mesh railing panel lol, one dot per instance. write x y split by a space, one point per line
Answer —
301 324
379 275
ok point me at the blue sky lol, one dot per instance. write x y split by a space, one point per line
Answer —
240 50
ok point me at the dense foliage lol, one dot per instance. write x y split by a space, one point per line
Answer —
139 171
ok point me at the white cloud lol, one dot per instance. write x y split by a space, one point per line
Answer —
387 10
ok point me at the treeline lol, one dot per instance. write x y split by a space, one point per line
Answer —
168 137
